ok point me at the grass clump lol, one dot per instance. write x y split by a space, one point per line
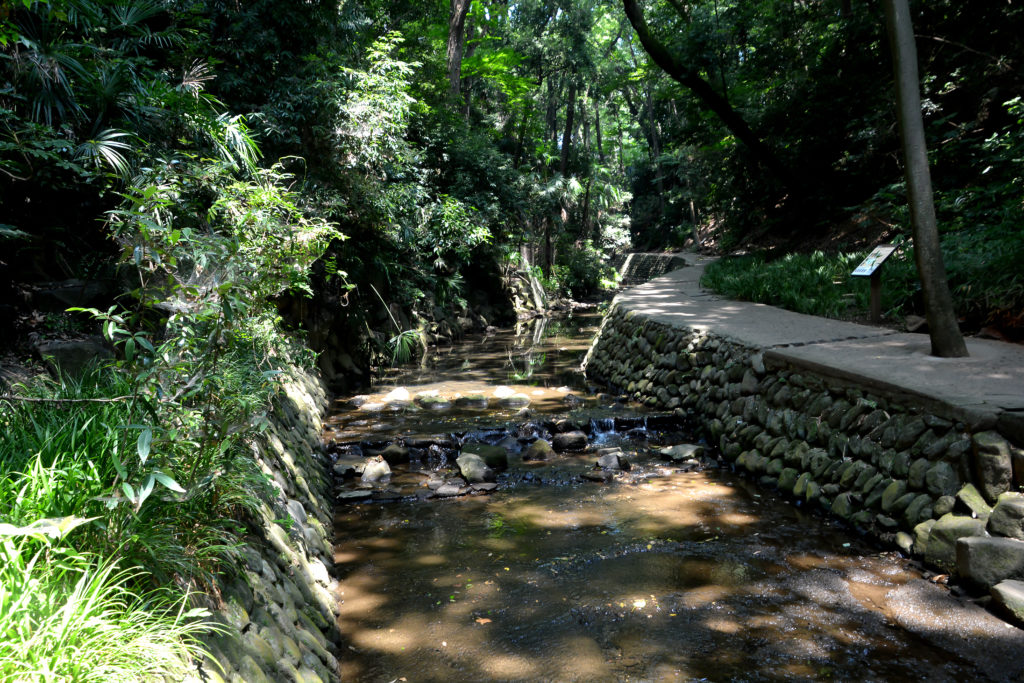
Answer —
66 616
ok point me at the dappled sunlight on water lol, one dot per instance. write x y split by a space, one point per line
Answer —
678 577
660 574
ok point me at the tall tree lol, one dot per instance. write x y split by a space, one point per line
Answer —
713 100
456 42
947 342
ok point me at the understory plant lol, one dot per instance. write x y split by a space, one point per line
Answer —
66 615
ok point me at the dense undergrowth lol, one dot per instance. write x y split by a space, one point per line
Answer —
127 488
987 287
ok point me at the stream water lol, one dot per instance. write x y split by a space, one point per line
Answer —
666 571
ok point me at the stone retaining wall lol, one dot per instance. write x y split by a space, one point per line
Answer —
637 267
922 478
279 611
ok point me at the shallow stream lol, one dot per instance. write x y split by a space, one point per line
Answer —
665 571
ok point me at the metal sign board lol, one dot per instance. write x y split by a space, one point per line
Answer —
875 259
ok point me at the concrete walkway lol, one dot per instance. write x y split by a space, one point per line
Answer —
983 390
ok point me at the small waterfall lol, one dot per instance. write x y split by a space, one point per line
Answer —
602 425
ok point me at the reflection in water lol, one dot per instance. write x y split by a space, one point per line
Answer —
658 575
538 363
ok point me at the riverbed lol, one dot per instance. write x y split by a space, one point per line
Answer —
656 570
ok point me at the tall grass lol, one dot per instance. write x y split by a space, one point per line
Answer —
67 446
66 616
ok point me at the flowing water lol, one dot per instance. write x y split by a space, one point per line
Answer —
663 572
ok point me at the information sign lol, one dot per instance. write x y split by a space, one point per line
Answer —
875 259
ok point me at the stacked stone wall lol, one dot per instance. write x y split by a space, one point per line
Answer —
913 473
278 609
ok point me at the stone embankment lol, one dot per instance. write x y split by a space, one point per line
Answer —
638 267
279 611
936 472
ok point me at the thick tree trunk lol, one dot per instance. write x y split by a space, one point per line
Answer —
456 41
947 342
707 94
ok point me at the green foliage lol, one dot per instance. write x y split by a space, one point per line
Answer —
69 616
987 287
816 283
582 270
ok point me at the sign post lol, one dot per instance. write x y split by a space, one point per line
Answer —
869 267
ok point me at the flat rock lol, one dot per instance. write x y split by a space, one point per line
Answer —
433 403
472 401
613 461
680 452
474 468
514 401
495 457
376 469
1009 597
986 561
970 500
354 496
940 551
449 490
400 395
348 466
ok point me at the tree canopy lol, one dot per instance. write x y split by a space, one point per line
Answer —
443 135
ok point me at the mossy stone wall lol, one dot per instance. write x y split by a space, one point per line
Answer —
923 477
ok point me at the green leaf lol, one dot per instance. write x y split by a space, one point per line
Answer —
129 349
147 488
121 471
168 482
129 492
145 440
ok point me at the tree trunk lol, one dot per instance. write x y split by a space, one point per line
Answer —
707 94
570 123
552 112
947 342
586 211
618 132
656 151
597 131
456 41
